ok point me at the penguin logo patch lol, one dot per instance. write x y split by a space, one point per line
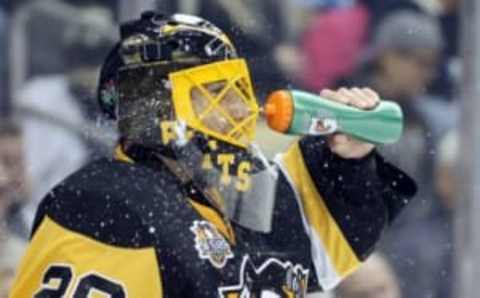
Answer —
210 244
273 278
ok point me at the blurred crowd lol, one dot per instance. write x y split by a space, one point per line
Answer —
407 50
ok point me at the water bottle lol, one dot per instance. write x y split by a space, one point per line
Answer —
302 113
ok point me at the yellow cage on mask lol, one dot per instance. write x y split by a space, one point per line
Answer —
234 73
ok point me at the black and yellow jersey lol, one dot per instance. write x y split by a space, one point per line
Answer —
121 229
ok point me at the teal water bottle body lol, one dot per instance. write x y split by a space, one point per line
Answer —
313 114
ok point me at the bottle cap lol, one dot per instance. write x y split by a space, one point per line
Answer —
279 110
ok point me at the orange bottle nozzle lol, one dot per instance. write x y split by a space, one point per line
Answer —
279 110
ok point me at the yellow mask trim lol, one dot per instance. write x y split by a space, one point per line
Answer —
120 155
235 73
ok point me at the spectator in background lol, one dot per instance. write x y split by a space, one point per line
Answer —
447 11
431 250
55 109
39 27
381 9
85 44
374 279
332 42
14 188
9 5
13 193
445 167
11 251
3 60
405 54
109 4
450 69
447 193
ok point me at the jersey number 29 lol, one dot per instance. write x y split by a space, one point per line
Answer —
61 277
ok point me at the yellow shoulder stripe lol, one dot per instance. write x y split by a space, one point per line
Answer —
135 270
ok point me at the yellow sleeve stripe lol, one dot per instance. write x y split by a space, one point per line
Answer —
333 256
137 270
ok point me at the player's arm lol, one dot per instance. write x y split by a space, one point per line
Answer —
348 195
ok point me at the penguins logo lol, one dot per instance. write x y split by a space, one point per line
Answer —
210 244
273 279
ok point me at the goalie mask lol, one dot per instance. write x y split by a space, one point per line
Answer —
177 87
